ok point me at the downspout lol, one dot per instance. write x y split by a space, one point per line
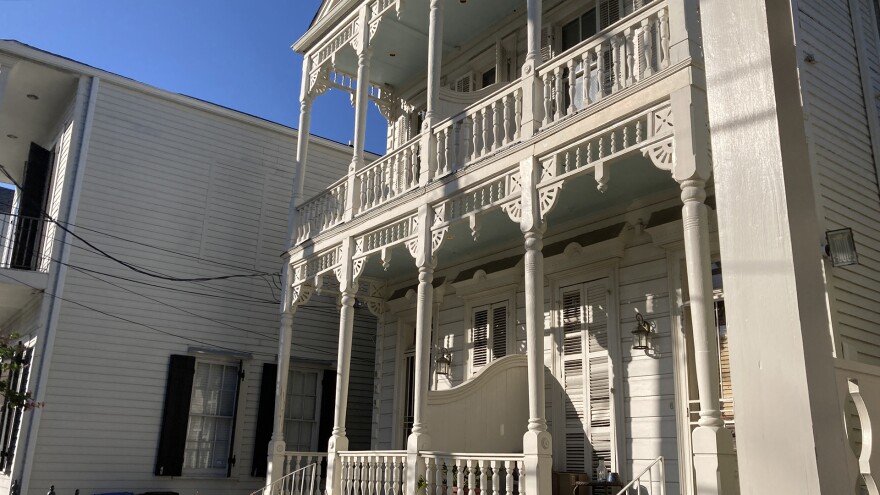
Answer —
57 285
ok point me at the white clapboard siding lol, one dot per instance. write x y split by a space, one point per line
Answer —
204 194
845 164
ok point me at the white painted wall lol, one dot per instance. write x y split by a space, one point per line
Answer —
213 188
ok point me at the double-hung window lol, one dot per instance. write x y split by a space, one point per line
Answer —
301 410
488 334
198 423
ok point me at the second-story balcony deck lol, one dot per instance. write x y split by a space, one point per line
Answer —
23 265
602 85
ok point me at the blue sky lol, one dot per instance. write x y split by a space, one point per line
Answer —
233 53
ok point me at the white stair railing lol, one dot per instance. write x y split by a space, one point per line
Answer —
647 477
303 481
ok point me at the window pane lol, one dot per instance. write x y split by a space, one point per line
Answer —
588 24
212 409
571 34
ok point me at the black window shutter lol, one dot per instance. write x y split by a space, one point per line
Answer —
265 420
175 417
231 460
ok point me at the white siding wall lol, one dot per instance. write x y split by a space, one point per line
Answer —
648 417
212 189
844 161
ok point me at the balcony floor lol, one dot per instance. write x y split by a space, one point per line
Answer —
15 294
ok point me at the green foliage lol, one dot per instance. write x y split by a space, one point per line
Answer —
11 366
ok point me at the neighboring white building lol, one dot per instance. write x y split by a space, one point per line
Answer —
549 187
170 185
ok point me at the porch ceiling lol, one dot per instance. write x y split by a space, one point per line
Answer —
406 37
30 120
634 183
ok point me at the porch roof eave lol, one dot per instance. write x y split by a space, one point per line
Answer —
321 26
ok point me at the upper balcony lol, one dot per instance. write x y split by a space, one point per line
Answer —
616 76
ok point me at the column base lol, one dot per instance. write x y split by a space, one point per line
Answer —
538 460
415 464
275 467
714 461
337 443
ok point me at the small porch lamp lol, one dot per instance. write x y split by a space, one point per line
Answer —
443 364
642 333
841 247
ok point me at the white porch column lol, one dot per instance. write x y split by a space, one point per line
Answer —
277 446
419 440
533 89
435 57
714 459
338 440
428 145
774 287
362 100
302 149
537 444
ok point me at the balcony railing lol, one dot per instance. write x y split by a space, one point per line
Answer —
379 472
21 242
495 474
619 57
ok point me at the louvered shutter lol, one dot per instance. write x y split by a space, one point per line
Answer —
463 83
546 43
499 331
265 419
599 427
175 416
480 338
609 13
573 372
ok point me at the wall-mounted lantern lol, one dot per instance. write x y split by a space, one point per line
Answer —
642 333
841 247
443 364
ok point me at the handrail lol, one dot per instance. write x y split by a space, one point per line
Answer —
287 483
603 35
475 456
637 481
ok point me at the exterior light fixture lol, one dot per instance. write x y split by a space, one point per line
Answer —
642 333
33 97
443 362
841 247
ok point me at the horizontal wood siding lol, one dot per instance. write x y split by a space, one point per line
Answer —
844 160
186 193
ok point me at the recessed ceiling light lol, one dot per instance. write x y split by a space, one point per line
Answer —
12 136
32 96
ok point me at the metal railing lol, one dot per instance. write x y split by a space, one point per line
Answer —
21 242
303 481
646 478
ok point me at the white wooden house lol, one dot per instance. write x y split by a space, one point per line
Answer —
549 185
170 185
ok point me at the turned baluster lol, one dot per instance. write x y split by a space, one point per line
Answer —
648 70
629 48
663 58
601 148
364 474
465 140
626 137
560 93
487 130
484 474
572 85
617 55
600 72
478 135
441 152
496 478
508 480
517 130
520 468
470 475
589 154
440 478
377 475
396 478
638 131
387 478
613 143
548 97
498 120
587 63
430 475
409 175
